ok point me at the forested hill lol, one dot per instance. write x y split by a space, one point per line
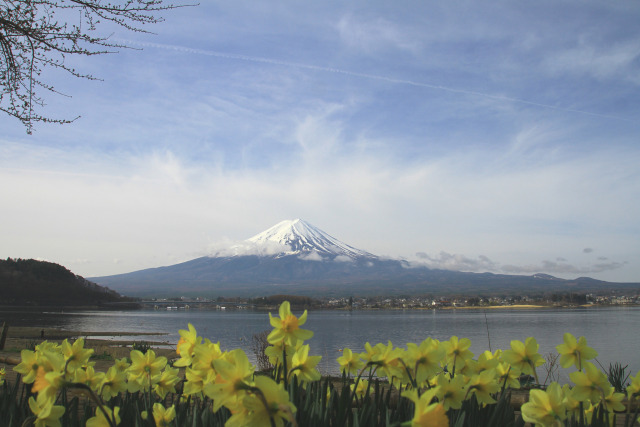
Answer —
40 283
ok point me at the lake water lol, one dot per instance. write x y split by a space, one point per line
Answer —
613 332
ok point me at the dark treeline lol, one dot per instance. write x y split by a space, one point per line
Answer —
41 283
294 300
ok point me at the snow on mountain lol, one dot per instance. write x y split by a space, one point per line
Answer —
295 237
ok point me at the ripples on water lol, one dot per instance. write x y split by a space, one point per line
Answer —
611 331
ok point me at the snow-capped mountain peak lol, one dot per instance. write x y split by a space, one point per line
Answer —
299 237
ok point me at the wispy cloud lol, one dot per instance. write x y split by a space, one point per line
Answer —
481 264
562 268
458 262
375 35
388 79
440 127
599 60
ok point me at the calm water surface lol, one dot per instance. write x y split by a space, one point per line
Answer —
613 332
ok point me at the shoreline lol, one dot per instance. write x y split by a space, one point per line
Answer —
496 307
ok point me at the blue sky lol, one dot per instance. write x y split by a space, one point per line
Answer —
494 136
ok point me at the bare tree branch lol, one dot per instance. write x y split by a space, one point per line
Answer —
32 38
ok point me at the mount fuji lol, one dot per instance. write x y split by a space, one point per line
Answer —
296 238
294 257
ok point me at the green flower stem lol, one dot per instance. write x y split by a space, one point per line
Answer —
284 363
453 371
579 362
29 420
411 379
297 368
535 374
260 395
355 384
97 401
506 377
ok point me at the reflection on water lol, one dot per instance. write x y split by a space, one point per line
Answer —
611 331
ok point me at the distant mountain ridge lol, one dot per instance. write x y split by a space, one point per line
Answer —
295 257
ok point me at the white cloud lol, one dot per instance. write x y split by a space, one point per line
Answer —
562 268
160 209
458 262
311 256
428 128
605 61
482 264
372 35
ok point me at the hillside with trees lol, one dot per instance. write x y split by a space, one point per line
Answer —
40 283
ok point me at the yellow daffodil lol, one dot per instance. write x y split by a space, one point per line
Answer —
46 358
385 358
234 375
361 389
2 376
166 382
75 355
47 414
143 368
524 356
287 326
486 361
368 354
113 382
99 420
591 383
450 391
574 352
47 384
273 405
89 377
350 362
162 416
274 353
571 404
427 414
51 360
45 346
121 364
484 385
304 366
633 389
28 366
612 400
508 375
457 352
545 408
203 356
187 343
424 359
195 380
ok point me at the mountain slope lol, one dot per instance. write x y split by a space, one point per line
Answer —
297 258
